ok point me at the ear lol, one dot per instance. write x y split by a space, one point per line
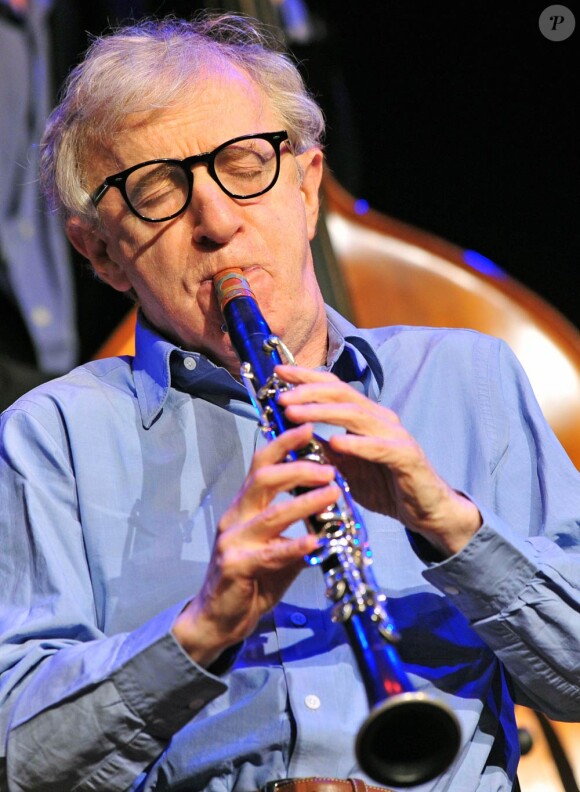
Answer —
312 163
91 242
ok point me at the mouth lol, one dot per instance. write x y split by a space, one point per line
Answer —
216 292
245 268
230 284
234 275
247 272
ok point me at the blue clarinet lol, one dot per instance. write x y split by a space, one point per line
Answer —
408 737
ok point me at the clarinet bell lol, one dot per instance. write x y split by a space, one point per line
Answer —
408 739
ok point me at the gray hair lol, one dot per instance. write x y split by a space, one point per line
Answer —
150 66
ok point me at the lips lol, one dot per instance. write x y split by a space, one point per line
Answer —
245 268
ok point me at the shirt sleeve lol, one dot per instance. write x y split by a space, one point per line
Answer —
79 710
518 579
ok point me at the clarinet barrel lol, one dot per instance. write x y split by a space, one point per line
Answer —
408 737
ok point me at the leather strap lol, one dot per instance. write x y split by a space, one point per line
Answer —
321 785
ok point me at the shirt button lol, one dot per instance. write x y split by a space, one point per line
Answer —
312 702
451 590
189 363
298 619
26 229
41 316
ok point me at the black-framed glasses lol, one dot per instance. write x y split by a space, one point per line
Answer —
161 189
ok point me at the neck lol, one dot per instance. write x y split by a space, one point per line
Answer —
306 345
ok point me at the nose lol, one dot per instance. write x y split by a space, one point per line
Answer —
216 216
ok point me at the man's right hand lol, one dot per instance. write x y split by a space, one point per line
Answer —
252 563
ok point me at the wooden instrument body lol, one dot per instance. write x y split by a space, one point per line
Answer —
397 274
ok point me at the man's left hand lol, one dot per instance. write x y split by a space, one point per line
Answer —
384 465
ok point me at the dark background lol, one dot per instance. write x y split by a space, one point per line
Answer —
463 124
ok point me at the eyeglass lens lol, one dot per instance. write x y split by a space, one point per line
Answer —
243 169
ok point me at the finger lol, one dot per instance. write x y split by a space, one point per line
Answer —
280 515
298 374
392 450
277 450
285 554
266 526
335 391
265 483
249 562
322 387
362 419
316 385
285 477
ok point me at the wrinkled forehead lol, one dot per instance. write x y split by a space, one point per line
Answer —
215 106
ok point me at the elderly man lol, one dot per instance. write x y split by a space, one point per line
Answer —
160 628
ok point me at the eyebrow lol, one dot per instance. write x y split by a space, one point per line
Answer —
153 173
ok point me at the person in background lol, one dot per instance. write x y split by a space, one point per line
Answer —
38 337
160 628
53 312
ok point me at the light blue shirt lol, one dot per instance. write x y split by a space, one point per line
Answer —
112 480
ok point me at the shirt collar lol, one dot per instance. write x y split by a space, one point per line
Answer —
351 355
159 366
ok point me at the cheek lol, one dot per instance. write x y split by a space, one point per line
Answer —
149 254
286 226
137 238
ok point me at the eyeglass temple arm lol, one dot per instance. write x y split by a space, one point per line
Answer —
99 192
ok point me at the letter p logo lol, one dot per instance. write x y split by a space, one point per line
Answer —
556 23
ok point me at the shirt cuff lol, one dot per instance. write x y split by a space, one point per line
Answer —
158 680
488 574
